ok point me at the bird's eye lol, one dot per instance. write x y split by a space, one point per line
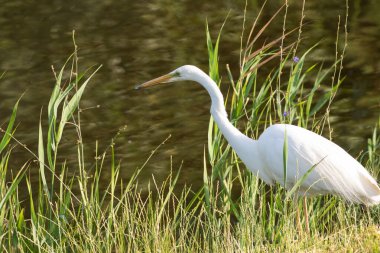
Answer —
176 74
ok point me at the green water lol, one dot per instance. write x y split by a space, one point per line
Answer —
136 41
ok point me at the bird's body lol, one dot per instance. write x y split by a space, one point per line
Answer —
331 169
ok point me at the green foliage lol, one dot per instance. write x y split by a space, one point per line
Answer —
233 212
8 133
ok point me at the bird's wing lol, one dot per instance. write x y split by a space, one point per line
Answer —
332 170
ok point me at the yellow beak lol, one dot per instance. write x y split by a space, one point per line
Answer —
158 80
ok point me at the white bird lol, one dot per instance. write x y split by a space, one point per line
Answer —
331 169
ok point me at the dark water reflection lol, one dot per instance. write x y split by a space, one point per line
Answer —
136 41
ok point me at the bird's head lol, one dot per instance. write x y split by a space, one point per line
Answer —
185 72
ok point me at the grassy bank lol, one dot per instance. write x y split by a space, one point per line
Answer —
233 212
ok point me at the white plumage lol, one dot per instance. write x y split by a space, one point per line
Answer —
332 170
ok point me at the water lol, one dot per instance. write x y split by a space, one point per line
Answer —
137 41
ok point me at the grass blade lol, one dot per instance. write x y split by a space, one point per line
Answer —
9 131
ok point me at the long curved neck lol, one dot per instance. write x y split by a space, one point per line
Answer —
217 101
235 138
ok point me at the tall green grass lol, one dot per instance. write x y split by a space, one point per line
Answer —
233 211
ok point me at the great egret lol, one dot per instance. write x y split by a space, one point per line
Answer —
331 169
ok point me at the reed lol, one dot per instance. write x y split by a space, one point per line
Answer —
233 212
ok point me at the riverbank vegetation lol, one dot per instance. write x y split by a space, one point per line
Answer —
233 211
